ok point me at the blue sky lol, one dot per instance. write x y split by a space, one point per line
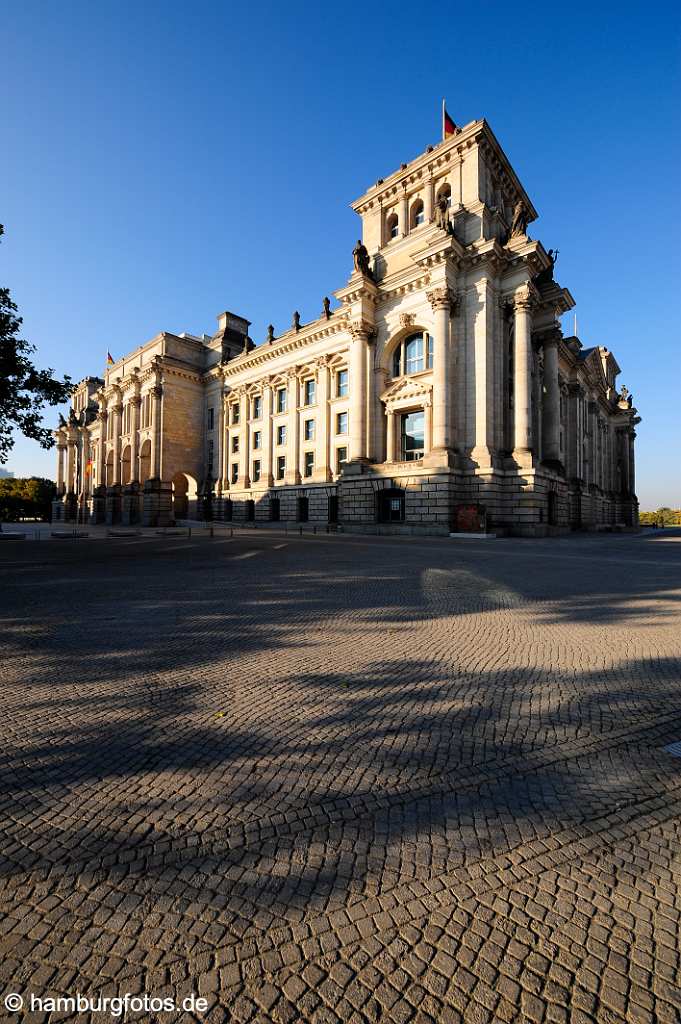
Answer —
165 161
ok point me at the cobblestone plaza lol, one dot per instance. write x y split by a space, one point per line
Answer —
345 778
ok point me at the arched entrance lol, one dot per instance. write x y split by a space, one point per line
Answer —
108 471
184 496
145 461
126 465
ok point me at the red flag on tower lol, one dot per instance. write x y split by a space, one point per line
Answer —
448 126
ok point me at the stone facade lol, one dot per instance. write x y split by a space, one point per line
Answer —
439 395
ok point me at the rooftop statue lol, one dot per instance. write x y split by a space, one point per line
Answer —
442 214
520 219
360 256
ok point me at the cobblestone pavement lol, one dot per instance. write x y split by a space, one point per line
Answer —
343 779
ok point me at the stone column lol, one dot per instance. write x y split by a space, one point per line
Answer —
404 214
103 417
427 428
155 466
572 436
70 463
631 437
390 438
293 445
322 424
428 201
358 391
117 410
522 382
244 446
551 403
440 300
266 473
135 403
61 451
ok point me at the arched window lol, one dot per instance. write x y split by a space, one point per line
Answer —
413 354
446 192
417 216
392 226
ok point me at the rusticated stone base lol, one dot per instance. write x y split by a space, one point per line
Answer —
158 504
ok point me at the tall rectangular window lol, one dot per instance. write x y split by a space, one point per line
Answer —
235 414
309 392
342 384
211 418
255 475
413 351
235 472
281 400
308 430
210 457
341 458
308 465
257 407
281 467
235 443
257 439
281 434
413 436
341 423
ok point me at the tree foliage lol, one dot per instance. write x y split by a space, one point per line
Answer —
24 390
663 517
27 498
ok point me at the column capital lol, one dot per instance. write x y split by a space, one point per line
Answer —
135 400
442 298
361 330
157 391
525 297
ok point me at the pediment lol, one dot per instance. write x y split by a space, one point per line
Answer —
407 389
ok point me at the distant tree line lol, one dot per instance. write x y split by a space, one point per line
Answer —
663 517
28 498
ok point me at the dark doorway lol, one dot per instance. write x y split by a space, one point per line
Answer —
552 508
391 506
303 510
250 511
229 510
333 508
275 510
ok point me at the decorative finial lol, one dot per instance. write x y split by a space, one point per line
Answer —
270 334
296 321
326 303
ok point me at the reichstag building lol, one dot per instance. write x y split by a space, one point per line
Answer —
437 394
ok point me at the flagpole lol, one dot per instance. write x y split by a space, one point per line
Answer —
443 119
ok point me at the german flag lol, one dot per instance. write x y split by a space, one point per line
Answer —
448 126
109 359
